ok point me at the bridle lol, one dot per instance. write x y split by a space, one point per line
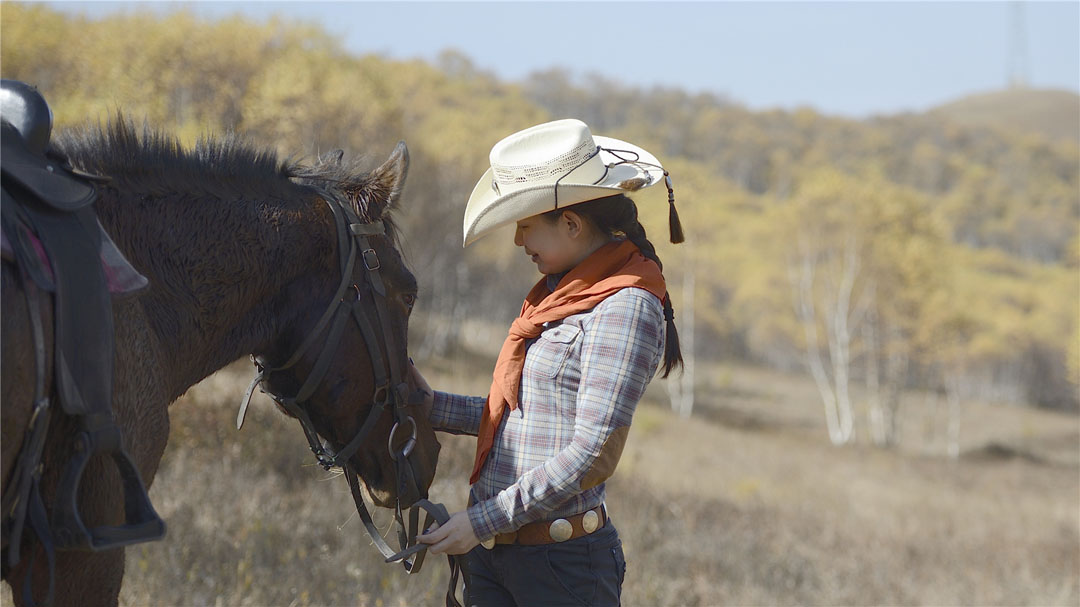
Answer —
391 391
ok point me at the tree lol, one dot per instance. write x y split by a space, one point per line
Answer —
861 260
680 389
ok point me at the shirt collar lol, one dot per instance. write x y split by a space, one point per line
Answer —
553 281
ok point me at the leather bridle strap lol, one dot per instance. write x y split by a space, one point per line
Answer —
336 315
435 513
390 392
347 261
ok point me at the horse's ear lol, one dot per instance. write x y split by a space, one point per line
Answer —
388 180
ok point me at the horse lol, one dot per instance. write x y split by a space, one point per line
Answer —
242 258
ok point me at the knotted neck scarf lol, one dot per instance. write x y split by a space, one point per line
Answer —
614 266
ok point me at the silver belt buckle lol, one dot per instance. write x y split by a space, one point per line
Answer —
560 530
590 521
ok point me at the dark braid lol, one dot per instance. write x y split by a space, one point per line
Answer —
636 234
617 217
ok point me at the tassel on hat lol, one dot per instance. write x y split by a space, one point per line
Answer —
674 225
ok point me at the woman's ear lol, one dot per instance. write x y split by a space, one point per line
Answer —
572 223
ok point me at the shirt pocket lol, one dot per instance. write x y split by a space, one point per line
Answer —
548 354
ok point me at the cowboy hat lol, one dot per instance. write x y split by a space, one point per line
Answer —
551 166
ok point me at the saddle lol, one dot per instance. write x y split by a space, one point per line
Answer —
52 234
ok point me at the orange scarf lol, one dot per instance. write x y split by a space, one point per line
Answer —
614 266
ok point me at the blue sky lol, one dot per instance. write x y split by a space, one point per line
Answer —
845 58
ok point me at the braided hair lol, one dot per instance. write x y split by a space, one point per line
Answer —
617 217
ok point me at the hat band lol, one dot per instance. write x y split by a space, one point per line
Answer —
587 158
543 171
607 168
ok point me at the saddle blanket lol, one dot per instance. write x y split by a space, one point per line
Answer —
120 275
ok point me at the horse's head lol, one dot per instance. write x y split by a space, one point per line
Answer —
349 353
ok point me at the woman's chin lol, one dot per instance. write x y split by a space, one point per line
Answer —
548 269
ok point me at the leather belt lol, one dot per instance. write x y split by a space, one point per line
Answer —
552 532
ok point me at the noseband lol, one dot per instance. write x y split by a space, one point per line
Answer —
391 391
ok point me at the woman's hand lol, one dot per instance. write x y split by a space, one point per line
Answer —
455 537
421 384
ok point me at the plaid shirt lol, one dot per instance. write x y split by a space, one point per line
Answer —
582 379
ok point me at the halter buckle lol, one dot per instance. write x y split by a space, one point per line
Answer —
371 260
386 395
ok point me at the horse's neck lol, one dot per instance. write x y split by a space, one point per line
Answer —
222 275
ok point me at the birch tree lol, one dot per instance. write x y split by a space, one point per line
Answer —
680 388
824 280
861 265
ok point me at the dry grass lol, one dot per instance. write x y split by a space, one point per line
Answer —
744 503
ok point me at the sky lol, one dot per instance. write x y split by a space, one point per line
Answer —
854 59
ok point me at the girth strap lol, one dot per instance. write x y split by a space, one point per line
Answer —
27 471
24 498
39 522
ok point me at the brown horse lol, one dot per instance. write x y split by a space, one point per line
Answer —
242 258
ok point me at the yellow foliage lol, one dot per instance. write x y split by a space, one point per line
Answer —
966 241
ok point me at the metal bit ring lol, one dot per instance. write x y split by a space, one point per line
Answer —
408 445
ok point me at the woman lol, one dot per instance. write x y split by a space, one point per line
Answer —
591 334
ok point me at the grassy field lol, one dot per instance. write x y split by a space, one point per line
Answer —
744 503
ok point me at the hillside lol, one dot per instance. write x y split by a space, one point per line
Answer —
1052 113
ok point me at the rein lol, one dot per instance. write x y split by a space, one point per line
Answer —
391 391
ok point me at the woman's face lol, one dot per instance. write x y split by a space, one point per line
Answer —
556 246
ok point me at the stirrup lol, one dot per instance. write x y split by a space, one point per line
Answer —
142 523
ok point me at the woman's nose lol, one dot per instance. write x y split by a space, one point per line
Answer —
518 240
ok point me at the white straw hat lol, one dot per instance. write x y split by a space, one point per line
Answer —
552 166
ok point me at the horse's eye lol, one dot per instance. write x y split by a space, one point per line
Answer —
409 300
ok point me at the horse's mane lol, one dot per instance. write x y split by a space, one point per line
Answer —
222 167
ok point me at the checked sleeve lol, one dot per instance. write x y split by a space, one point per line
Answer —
620 349
457 414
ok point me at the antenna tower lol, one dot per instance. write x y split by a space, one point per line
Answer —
1018 57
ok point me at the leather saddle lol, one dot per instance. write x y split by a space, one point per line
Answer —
55 239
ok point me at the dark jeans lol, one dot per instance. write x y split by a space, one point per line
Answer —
585 571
